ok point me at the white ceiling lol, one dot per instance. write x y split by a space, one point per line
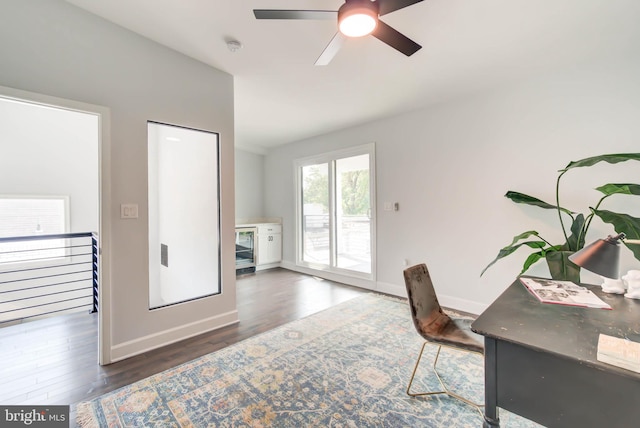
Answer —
468 46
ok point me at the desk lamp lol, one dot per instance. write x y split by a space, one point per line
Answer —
602 257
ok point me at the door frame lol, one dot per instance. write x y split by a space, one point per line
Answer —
104 201
328 157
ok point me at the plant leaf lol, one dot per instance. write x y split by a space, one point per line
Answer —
504 252
533 257
572 243
523 235
623 223
521 198
613 158
623 189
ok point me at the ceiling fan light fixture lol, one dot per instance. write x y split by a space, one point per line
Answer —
357 18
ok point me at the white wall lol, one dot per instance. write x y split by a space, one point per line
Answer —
249 177
449 167
53 48
51 152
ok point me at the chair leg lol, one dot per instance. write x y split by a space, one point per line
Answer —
415 369
445 390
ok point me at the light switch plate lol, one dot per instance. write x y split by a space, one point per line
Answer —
129 211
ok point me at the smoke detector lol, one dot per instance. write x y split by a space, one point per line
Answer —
234 45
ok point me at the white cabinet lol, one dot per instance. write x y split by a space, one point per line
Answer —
269 244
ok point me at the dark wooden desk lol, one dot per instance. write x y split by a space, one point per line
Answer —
540 361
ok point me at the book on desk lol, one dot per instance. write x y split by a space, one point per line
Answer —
562 293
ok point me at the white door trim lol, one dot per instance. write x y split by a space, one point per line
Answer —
104 198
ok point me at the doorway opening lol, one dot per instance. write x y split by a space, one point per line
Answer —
50 225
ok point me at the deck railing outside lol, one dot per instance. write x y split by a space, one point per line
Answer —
48 274
353 241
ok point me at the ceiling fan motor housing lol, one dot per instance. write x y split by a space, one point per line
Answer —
353 8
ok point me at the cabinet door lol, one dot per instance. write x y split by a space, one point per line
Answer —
269 248
275 248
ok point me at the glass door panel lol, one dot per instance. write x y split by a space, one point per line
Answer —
316 246
353 214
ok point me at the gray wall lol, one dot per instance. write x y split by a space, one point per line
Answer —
449 167
249 184
53 48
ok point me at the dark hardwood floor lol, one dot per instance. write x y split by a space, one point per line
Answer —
54 360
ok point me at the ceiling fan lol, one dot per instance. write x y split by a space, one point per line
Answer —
356 18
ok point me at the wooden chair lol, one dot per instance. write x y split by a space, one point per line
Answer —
437 327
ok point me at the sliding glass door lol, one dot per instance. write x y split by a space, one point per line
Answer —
335 212
316 230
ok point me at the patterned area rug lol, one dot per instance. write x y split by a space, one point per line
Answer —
347 366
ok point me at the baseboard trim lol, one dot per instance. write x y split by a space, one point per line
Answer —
267 266
393 289
167 337
464 305
451 302
332 276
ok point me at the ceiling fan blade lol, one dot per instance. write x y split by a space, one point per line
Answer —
396 40
331 50
388 6
295 14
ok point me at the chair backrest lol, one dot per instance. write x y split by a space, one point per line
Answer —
428 317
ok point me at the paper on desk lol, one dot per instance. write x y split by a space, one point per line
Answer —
619 352
563 293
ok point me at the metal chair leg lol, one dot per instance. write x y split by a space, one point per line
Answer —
415 369
445 390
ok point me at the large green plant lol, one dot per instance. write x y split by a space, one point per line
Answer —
574 237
